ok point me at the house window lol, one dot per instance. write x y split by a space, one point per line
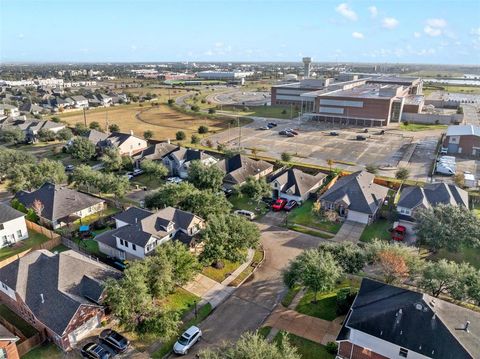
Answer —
121 242
134 247
19 233
2 227
403 352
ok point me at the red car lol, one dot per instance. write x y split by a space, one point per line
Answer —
279 204
398 233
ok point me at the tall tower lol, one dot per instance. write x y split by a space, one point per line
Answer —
306 66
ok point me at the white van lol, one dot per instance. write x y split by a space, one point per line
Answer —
243 212
445 169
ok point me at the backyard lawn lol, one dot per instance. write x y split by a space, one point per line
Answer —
378 229
303 215
18 322
34 239
306 348
465 254
241 202
50 351
109 211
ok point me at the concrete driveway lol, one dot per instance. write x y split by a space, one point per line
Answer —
350 231
252 303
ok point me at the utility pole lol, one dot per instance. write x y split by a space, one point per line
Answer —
84 117
239 133
106 120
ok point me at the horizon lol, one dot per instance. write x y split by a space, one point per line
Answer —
118 31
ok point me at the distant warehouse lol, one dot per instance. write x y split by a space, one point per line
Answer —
224 75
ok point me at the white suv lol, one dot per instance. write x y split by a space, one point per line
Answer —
187 340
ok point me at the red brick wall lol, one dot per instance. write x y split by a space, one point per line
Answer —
372 108
345 351
10 348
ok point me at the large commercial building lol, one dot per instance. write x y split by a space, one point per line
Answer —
373 101
224 75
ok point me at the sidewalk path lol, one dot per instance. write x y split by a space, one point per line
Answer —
213 292
311 328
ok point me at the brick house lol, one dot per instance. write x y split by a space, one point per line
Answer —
463 140
239 167
61 303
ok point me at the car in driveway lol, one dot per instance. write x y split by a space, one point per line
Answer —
279 204
114 340
175 180
187 340
244 213
95 351
290 205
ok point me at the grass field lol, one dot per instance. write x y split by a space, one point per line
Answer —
429 88
50 351
416 127
282 112
303 215
219 275
180 301
306 348
378 229
34 239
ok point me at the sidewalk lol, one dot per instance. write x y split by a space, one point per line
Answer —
213 292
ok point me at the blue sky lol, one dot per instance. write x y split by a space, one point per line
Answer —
431 31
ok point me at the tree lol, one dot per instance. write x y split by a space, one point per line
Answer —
114 128
256 189
171 101
195 108
64 134
253 345
94 125
46 135
211 111
286 157
318 271
371 169
82 149
148 135
447 226
206 203
195 139
393 266
204 176
169 195
227 237
32 175
459 179
438 277
154 169
348 255
11 135
460 110
10 158
80 129
184 264
402 173
98 182
203 129
180 136
111 158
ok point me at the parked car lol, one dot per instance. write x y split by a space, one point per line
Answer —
95 351
272 124
176 180
247 214
398 233
361 138
291 130
290 205
264 128
114 340
444 151
334 133
290 134
187 340
282 133
279 204
137 172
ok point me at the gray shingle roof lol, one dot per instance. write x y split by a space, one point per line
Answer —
58 201
95 136
359 191
157 151
415 321
298 182
8 213
239 167
64 290
432 195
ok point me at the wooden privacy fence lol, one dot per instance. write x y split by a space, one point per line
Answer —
39 229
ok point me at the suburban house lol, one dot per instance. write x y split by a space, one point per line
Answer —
127 143
9 110
138 231
95 136
292 183
58 294
431 195
356 197
239 167
31 127
178 161
463 139
12 226
58 205
80 101
8 346
386 322
156 152
104 100
31 108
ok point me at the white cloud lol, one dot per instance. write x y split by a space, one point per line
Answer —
432 31
344 10
373 11
219 44
475 31
357 35
417 34
390 23
436 23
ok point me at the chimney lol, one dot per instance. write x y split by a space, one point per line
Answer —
168 140
43 299
131 132
467 324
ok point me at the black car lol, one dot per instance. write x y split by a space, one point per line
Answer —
114 340
283 133
361 138
334 133
95 351
272 124
290 205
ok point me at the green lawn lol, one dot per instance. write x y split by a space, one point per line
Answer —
326 304
416 127
309 231
241 202
306 348
303 215
18 322
378 229
147 181
180 300
59 248
465 254
292 292
264 331
90 245
220 274
49 351
34 239
265 111
109 211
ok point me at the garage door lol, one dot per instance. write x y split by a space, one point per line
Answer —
357 217
453 148
83 330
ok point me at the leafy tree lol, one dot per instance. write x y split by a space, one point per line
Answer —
206 203
402 173
195 108
256 189
98 182
253 345
203 129
111 158
446 226
114 128
154 169
11 135
10 158
46 135
211 111
438 277
94 125
393 266
286 157
195 139
180 136
170 194
318 271
460 110
32 175
205 176
111 183
82 149
348 255
227 237
148 135
184 264
372 169
64 134
81 129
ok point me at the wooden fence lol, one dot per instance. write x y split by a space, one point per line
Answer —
39 229
25 344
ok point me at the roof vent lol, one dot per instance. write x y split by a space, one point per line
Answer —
418 306
43 299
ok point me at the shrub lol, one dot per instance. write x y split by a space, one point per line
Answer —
195 108
284 112
331 347
171 101
345 298
195 139
203 129
180 136
211 111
